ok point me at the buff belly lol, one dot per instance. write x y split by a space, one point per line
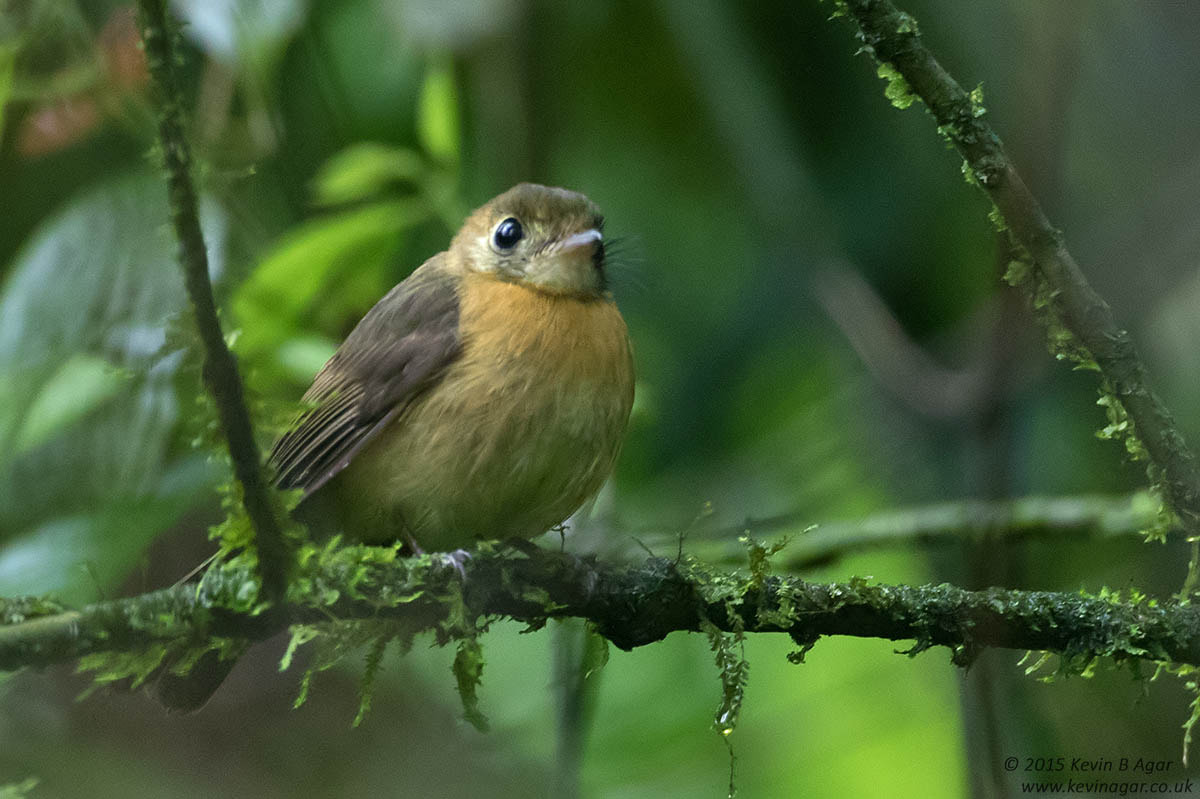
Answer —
515 435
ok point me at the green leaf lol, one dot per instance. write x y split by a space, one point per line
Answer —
87 397
19 790
303 356
437 114
363 170
309 260
242 32
81 384
8 63
84 556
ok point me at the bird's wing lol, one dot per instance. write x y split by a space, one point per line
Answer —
400 348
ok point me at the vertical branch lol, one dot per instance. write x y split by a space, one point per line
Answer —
574 699
220 369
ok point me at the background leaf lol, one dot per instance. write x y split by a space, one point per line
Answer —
88 405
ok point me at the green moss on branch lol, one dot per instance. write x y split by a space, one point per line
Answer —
630 605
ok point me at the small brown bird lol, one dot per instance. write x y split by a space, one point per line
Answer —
485 397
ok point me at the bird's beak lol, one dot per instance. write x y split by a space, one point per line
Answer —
571 265
578 240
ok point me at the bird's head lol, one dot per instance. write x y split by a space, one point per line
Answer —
548 239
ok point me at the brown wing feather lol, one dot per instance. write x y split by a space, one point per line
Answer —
398 349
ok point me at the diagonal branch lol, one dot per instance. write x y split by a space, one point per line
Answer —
892 38
220 368
630 605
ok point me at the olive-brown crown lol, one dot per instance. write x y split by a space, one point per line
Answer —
548 238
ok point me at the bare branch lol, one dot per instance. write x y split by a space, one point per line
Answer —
897 362
1054 519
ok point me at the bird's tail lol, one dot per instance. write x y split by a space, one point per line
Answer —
187 693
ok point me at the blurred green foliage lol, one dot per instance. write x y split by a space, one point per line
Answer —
741 154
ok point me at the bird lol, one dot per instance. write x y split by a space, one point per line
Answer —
485 397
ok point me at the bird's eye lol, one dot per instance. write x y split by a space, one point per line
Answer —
508 233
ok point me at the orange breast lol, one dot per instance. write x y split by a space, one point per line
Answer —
514 437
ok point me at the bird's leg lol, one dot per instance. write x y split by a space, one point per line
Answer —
455 560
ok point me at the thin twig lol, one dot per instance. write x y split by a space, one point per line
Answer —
220 368
1054 519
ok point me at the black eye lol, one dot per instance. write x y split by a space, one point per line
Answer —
508 233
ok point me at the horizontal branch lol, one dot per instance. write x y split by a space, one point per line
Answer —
892 38
1055 519
630 605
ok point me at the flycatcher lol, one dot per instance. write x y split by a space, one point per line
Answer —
484 397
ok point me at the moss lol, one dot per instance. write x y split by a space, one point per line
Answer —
729 652
897 91
468 674
15 610
109 667
370 671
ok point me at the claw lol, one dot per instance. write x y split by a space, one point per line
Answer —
457 560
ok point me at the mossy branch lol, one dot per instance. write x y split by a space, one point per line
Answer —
629 605
892 38
220 368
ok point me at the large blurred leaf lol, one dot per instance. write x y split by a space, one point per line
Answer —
8 62
248 32
451 24
437 118
87 402
303 356
79 386
345 251
363 170
80 556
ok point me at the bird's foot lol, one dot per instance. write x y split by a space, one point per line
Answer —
457 560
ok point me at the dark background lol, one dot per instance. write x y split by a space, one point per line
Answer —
771 204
